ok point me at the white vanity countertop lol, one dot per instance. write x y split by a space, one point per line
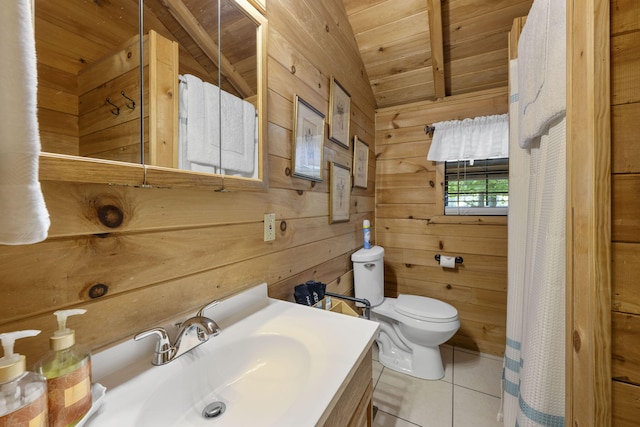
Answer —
275 363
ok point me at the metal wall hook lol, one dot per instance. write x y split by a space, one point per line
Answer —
115 111
131 106
429 129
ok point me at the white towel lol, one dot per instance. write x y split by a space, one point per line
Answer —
23 214
542 69
198 106
238 134
199 130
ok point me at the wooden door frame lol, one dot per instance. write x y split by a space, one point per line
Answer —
588 327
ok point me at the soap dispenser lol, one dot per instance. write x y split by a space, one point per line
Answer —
23 395
67 368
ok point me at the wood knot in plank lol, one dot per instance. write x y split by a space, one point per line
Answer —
98 290
110 216
577 341
393 121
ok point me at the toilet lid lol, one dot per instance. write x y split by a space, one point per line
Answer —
424 308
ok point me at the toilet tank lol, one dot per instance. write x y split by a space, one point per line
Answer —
368 274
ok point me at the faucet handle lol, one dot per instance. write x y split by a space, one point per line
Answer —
207 307
163 345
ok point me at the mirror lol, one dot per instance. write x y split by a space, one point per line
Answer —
90 83
87 64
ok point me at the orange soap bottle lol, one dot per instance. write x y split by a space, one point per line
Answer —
67 368
23 395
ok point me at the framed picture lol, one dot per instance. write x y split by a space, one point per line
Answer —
308 147
339 113
339 193
360 162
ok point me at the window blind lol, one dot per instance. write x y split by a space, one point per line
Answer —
480 187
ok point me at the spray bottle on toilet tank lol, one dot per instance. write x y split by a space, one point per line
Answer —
366 228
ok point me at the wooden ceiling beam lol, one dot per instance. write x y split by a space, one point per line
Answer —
183 15
434 9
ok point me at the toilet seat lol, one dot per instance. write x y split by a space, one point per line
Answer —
426 309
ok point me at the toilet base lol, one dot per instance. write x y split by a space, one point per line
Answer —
422 362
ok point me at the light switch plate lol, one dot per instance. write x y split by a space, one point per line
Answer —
269 227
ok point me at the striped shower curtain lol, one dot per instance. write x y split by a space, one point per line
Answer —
533 374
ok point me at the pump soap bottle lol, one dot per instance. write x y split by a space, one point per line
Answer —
23 395
67 368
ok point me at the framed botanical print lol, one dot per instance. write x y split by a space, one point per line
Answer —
360 162
308 146
339 113
339 192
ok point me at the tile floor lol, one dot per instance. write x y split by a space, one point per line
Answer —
467 396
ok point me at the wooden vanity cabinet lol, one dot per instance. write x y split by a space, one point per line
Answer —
352 406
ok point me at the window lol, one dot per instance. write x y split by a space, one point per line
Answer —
478 187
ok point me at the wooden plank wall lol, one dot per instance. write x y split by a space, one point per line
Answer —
94 35
625 178
168 251
410 224
112 132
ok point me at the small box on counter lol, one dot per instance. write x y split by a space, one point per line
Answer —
335 306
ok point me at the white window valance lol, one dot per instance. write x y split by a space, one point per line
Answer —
483 137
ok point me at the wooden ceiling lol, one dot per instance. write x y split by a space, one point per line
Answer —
415 50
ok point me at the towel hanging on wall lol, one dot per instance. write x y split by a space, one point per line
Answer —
23 214
201 131
542 66
483 137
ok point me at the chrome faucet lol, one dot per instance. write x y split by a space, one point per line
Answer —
193 332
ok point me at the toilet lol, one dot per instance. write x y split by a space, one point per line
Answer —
411 327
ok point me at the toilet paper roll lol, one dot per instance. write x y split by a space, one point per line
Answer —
447 261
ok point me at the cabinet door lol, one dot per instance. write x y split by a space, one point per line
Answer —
363 416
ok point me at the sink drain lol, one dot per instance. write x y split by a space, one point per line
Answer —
214 410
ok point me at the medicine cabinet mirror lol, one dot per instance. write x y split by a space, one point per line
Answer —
195 114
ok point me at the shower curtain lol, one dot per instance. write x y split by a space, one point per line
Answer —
534 363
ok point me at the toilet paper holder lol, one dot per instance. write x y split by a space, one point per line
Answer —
459 259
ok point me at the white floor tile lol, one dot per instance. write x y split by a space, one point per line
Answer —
472 408
383 419
477 372
423 402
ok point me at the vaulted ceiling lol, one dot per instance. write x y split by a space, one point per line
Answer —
416 50
413 50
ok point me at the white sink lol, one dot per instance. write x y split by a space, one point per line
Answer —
274 364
